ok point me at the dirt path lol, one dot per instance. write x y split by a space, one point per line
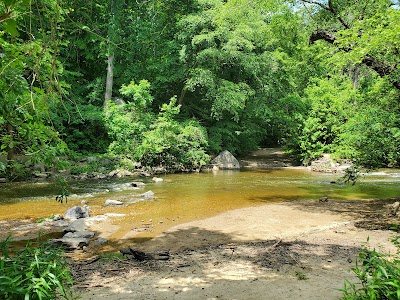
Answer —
298 250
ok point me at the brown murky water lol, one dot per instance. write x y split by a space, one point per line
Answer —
182 198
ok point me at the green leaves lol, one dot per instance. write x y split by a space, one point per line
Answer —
155 140
10 26
34 273
379 276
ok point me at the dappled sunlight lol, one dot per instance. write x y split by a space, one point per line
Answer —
233 270
183 284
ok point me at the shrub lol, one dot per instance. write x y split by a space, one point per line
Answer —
379 276
154 140
33 273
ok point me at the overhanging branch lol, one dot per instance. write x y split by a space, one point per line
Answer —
382 68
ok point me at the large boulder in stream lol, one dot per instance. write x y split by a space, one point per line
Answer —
76 212
226 161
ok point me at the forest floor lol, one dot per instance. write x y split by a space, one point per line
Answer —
292 250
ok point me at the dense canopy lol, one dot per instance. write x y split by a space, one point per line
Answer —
169 83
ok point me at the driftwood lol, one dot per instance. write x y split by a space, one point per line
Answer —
142 256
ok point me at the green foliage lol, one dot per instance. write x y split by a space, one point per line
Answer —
371 138
379 275
82 128
29 85
154 140
127 122
330 102
173 145
240 66
33 273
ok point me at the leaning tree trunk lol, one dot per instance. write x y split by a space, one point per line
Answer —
109 79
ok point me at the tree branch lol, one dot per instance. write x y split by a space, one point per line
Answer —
322 35
383 69
330 9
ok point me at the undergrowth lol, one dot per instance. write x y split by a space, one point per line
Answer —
378 273
33 273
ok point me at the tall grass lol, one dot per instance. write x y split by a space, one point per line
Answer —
32 273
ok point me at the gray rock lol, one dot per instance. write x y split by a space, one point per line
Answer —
79 235
76 212
61 223
323 199
148 195
57 217
71 243
226 161
3 180
101 241
138 184
393 208
113 202
76 226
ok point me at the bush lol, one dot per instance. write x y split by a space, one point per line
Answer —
33 273
173 145
154 140
379 276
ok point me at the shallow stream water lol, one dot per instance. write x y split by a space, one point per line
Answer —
183 198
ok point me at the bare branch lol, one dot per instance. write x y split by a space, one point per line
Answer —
330 9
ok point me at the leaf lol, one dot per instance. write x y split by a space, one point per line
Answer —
9 3
10 26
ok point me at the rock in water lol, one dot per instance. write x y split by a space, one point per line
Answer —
76 212
148 195
113 202
226 161
76 226
138 184
79 235
157 179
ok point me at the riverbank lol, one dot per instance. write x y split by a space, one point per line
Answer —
300 250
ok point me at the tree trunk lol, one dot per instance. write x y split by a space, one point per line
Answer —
10 150
110 79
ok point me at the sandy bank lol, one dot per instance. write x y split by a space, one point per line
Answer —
297 250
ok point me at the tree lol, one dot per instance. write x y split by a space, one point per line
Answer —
364 32
242 61
29 82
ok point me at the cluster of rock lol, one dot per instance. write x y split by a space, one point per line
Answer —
76 234
76 220
326 164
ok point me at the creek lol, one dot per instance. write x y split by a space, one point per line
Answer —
182 198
